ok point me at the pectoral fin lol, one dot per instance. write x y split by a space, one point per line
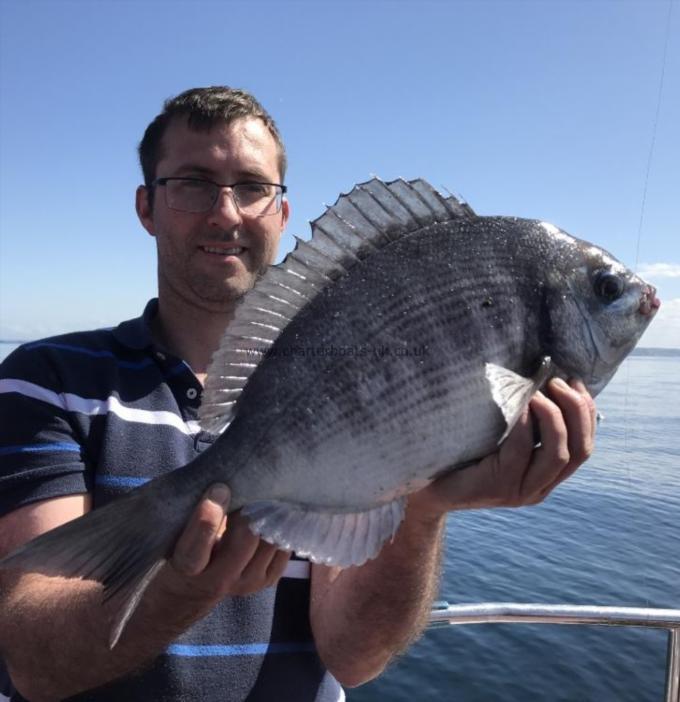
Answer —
512 392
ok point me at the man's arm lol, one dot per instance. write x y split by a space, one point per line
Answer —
54 631
362 617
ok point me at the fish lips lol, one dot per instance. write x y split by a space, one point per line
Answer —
649 302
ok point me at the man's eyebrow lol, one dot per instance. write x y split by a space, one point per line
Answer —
192 169
195 169
254 174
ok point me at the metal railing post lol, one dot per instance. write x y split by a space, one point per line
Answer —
673 666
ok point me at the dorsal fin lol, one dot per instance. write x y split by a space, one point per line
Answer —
367 218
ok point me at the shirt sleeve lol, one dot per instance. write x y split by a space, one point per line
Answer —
41 442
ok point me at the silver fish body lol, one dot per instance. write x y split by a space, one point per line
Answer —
380 383
404 339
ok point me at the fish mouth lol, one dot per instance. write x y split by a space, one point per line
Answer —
649 302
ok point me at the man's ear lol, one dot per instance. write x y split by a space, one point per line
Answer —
285 213
144 209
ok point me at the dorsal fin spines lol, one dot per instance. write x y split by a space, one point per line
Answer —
264 314
391 213
344 239
322 242
297 267
349 210
362 221
285 292
287 308
312 257
413 201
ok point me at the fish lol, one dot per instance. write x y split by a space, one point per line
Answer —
403 340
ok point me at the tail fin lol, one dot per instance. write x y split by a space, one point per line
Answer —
122 545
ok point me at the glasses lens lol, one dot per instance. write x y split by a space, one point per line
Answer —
258 199
189 195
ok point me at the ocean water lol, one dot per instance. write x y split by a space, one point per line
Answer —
608 536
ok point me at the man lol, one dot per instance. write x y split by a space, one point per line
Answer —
85 416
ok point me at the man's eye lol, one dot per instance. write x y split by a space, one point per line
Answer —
254 188
194 184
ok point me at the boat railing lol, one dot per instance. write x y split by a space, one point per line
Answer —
444 614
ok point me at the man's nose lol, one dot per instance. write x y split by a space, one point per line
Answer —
225 211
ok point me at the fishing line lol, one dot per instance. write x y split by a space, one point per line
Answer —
650 156
654 130
645 187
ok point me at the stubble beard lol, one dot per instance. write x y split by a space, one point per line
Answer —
197 289
222 295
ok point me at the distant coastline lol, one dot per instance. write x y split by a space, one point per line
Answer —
643 351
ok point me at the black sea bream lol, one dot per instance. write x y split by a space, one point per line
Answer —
404 339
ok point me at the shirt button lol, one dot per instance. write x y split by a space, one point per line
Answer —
192 393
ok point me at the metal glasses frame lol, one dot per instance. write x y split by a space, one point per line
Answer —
219 186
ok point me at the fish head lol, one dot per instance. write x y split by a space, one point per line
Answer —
598 311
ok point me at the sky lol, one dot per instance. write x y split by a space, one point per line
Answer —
566 111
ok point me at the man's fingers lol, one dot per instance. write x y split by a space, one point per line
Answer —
242 563
550 459
567 425
264 568
194 547
224 561
580 388
235 549
517 448
277 566
578 411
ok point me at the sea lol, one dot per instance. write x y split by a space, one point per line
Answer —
610 535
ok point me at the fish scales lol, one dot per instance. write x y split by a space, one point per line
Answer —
351 424
404 339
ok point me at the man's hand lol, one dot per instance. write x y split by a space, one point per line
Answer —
217 556
518 473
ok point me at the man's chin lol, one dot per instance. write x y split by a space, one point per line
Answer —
220 298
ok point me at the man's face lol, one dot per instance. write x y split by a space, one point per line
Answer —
210 259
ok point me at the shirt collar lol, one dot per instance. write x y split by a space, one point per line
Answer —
136 333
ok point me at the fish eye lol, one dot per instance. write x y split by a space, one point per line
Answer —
608 286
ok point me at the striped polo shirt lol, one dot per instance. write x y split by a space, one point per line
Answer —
103 412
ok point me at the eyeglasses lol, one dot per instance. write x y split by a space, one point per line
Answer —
199 195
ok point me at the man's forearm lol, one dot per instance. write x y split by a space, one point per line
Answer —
362 617
54 633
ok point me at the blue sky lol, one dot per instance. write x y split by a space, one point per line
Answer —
532 108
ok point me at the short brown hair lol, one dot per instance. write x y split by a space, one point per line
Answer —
204 108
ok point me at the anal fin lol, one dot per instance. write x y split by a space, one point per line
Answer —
331 538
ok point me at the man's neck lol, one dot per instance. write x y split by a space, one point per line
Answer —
190 332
